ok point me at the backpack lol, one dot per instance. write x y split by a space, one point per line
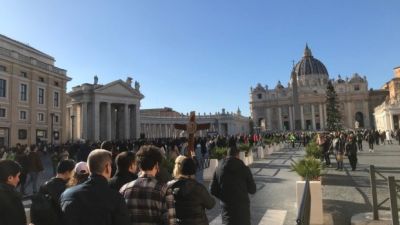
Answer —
43 211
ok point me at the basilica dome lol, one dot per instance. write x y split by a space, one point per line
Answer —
309 65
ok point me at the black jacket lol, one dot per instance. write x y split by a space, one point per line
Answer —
93 203
232 182
11 209
191 200
121 178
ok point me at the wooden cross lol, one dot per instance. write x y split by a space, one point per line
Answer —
192 127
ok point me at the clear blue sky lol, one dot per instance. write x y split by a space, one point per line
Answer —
204 55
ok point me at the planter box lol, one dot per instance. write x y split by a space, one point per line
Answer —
242 157
260 152
316 217
250 158
208 173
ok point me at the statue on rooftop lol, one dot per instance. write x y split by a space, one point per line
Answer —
137 85
96 80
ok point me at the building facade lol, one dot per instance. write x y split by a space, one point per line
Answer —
104 112
387 114
159 123
32 95
302 104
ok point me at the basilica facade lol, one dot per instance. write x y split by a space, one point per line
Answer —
301 105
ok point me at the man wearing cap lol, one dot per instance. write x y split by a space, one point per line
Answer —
94 202
232 182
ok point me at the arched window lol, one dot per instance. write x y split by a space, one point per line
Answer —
360 119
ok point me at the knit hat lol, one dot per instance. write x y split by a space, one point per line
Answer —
188 167
81 168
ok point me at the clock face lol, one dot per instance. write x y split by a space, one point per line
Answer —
191 127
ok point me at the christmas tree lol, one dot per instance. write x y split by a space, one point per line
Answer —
332 109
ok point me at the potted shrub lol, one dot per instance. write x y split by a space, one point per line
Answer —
216 154
313 150
310 168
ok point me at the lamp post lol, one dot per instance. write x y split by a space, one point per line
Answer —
52 130
72 128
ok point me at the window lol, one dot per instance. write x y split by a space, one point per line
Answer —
259 96
3 68
56 99
22 115
24 90
357 87
3 88
41 79
55 119
56 83
2 112
22 134
40 117
41 96
24 74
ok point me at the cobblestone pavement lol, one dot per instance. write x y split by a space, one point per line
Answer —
346 193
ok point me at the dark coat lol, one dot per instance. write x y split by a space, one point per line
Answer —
93 203
121 178
11 209
232 182
34 162
191 200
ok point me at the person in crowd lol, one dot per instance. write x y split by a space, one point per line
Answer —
351 149
359 139
22 160
126 170
94 202
177 172
54 188
338 149
388 137
35 166
149 201
232 182
371 140
191 197
11 209
80 174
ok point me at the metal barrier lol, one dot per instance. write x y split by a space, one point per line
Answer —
303 215
394 188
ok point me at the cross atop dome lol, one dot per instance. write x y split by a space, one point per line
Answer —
307 51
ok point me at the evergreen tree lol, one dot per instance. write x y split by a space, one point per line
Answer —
332 109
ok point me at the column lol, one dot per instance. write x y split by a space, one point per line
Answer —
321 118
350 118
391 125
269 119
367 118
313 116
84 120
127 121
291 124
108 113
96 115
136 120
325 117
280 118
302 117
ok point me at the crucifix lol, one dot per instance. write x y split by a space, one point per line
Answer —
191 127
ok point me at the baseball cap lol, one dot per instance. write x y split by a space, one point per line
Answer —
81 168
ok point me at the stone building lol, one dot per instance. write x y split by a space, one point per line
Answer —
301 105
159 123
32 95
387 114
98 112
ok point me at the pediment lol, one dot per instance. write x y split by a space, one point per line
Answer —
119 88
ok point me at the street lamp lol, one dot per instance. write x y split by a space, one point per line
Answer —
72 128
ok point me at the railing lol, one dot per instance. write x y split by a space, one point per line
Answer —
303 215
394 189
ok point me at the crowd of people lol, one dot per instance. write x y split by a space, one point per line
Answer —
126 182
